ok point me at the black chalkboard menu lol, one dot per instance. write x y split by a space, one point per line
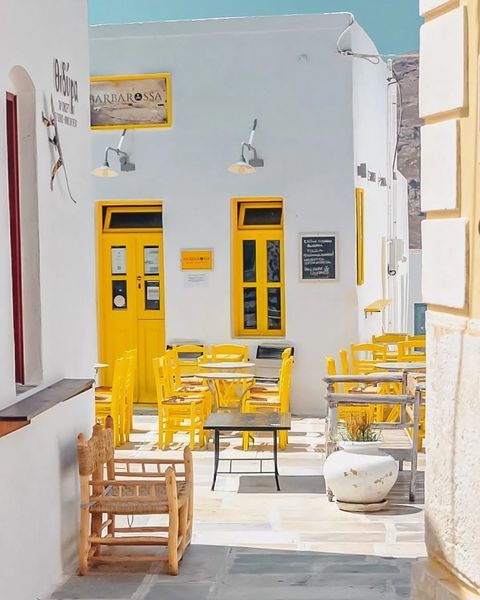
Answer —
318 257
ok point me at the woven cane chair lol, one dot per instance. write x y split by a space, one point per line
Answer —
112 487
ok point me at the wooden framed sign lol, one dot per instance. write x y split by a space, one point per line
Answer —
130 101
318 257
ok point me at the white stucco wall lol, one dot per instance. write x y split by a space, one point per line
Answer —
39 492
286 72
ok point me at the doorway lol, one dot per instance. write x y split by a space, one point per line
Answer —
131 288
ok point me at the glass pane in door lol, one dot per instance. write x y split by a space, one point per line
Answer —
249 261
274 308
249 308
273 261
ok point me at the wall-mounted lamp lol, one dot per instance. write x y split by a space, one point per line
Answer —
372 176
362 170
244 165
382 181
125 165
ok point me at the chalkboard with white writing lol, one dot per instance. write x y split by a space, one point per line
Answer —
318 257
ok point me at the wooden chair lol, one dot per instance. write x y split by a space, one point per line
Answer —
113 403
412 351
229 353
175 412
364 357
390 341
254 403
110 487
185 359
272 388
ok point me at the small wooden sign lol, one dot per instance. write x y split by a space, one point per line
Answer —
318 257
197 260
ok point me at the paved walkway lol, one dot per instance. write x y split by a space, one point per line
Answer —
250 540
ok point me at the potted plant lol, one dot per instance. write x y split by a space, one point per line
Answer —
360 475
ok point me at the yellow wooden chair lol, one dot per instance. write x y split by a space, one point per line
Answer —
176 413
229 353
113 403
130 389
272 388
186 359
264 403
390 341
345 411
365 356
412 351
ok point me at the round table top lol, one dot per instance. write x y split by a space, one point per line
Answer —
226 365
401 366
230 375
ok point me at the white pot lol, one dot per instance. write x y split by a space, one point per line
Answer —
360 472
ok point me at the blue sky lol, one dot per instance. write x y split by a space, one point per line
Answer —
393 24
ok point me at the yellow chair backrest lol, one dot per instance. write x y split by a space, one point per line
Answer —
389 338
364 357
133 354
332 370
229 353
416 338
168 369
412 351
284 386
287 353
344 362
117 404
158 376
186 358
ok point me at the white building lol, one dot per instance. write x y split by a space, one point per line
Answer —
53 287
320 115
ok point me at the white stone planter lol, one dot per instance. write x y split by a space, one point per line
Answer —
360 473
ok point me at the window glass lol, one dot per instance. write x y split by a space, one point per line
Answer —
250 308
136 220
273 261
249 261
274 309
263 216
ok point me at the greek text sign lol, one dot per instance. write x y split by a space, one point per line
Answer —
318 256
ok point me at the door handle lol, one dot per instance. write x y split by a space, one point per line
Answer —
139 280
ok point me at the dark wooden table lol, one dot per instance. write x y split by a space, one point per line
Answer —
273 422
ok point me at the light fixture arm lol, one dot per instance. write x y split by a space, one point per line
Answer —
252 133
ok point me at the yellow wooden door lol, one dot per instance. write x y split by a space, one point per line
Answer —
131 303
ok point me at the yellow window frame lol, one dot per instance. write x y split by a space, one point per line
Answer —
261 234
360 234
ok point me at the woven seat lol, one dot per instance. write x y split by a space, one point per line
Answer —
112 486
133 498
185 400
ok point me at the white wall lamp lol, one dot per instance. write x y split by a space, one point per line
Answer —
125 165
362 170
250 165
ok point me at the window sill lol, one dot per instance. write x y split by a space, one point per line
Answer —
21 413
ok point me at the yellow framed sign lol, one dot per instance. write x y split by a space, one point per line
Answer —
130 101
196 260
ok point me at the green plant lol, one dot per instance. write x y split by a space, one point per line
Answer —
358 428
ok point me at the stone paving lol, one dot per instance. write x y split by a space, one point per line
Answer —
288 545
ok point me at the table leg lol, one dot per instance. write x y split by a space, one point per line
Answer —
275 455
217 456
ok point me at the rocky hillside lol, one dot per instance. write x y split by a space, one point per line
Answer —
406 71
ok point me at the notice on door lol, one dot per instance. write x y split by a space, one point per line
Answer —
119 260
150 259
152 295
318 257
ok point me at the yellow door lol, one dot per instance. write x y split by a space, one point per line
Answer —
131 294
